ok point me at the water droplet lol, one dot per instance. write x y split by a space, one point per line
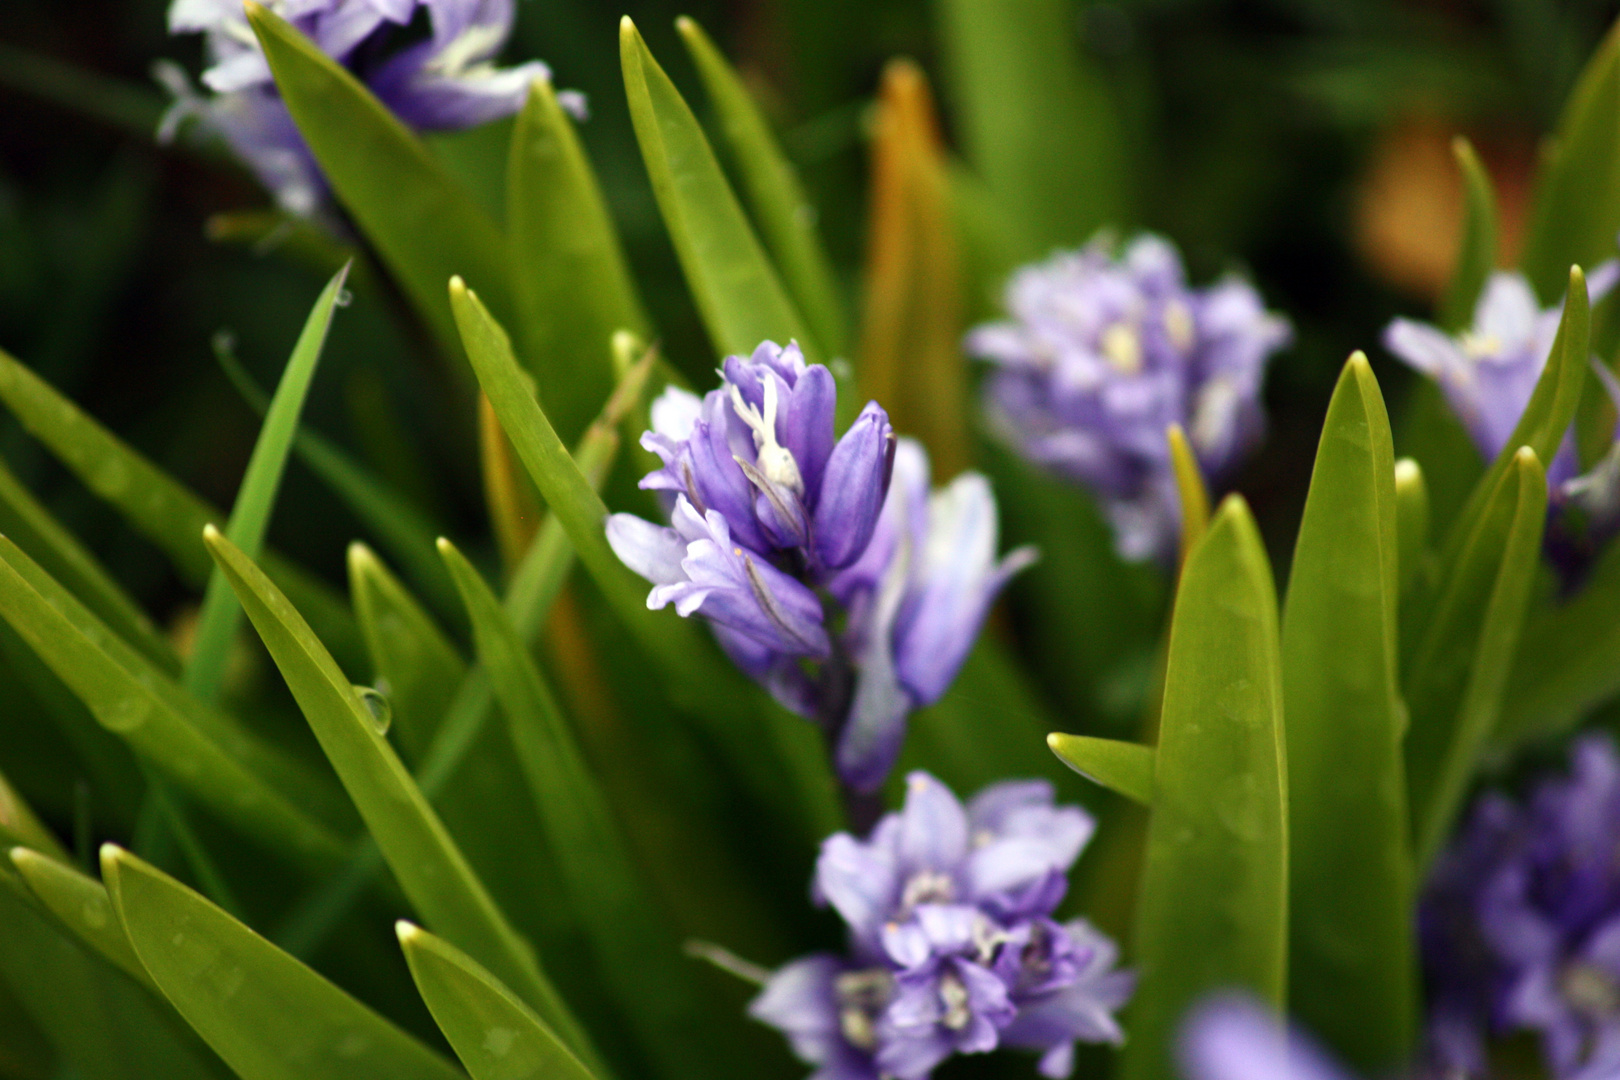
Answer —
375 704
111 477
178 939
343 298
498 1041
127 713
352 1045
95 913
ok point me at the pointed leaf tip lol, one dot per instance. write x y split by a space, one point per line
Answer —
406 931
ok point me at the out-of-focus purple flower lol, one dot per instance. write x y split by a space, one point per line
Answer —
1521 924
1103 353
446 81
952 944
1234 1037
769 510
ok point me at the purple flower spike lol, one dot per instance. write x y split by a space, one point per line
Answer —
952 946
1103 353
908 574
1520 925
446 82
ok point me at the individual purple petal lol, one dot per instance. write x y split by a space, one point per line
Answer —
655 552
806 424
1234 1038
933 827
861 880
855 485
818 1003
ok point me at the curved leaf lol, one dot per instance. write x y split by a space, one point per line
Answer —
1123 767
1213 908
1476 250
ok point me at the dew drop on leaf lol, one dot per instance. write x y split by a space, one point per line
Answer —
378 711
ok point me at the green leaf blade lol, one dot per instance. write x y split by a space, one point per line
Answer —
496 1036
1213 906
1476 252
1352 964
736 288
1122 767
267 1015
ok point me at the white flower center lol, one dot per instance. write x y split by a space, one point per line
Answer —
1178 325
1590 991
1478 346
861 996
1122 345
953 994
469 47
775 461
927 887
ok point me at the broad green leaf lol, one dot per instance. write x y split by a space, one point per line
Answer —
737 291
423 223
1019 80
35 531
1190 490
1456 692
402 530
424 857
205 753
81 903
496 1036
1213 907
409 653
797 782
573 285
1352 967
1123 767
912 318
1569 660
100 1023
266 1014
220 616
638 958
785 216
1412 523
1476 250
1545 419
155 504
1575 212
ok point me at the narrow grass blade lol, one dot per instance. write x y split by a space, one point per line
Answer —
82 905
1510 555
639 959
785 216
35 531
1575 212
20 825
267 1015
422 854
101 1024
494 1033
797 783
574 288
1194 497
424 224
1020 80
204 753
1476 250
155 504
1412 523
910 348
1353 969
1213 908
417 667
737 290
1123 767
509 495
220 616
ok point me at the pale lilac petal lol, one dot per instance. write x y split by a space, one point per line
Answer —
1234 1038
933 826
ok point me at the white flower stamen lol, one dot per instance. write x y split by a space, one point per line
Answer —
774 460
953 994
1122 345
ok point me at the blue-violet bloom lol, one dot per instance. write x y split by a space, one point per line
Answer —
1103 353
1520 924
828 570
447 80
952 944
1489 371
1231 1036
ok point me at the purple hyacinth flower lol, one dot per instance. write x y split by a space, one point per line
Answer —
1234 1037
448 81
907 574
952 946
1103 353
1521 923
1489 371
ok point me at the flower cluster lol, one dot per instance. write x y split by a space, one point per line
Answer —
1520 927
1489 371
952 945
1103 353
828 570
446 81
